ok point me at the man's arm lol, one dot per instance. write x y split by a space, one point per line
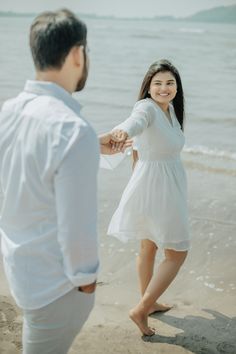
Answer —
1 202
76 205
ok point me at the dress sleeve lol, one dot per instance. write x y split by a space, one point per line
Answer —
140 119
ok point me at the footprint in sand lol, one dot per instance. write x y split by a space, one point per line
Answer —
206 351
10 327
7 312
198 338
226 348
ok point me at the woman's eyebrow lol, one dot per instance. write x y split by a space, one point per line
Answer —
170 80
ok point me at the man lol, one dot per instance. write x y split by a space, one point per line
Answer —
49 160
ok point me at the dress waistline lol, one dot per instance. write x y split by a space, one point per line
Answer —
159 158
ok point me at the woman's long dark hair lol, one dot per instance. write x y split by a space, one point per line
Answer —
164 65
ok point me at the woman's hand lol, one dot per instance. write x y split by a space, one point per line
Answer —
119 137
114 142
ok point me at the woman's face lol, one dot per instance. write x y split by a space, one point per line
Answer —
163 88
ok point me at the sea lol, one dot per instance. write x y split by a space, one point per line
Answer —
121 50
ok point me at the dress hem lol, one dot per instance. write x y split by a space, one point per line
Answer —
183 245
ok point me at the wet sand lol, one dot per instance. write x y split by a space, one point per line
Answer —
203 320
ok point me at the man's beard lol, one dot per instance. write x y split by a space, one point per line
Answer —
82 81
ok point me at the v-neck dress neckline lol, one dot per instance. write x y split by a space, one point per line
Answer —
170 121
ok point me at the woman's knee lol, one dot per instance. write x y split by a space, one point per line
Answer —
176 256
148 247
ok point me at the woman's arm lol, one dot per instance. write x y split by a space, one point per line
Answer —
140 119
119 138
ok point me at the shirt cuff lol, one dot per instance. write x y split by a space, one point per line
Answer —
81 279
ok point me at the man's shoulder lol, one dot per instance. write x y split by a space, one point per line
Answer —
14 103
8 104
56 116
51 107
49 118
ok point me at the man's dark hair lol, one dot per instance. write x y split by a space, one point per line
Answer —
52 35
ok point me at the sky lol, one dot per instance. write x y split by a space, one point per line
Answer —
118 8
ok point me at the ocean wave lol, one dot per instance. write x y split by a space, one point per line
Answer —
107 104
192 30
202 167
204 150
145 36
229 120
109 89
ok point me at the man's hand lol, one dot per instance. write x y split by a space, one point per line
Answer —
114 142
88 289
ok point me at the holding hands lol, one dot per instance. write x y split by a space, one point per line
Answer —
114 142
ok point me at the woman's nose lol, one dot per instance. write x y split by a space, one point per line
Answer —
163 88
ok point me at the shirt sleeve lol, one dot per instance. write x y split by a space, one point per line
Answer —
76 204
1 200
140 118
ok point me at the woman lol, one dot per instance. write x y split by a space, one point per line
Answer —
153 207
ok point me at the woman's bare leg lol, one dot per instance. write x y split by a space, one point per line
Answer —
145 265
166 273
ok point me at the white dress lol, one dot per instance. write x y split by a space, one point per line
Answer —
154 203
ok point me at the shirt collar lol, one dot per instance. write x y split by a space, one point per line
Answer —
47 88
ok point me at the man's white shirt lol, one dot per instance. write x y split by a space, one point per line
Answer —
49 159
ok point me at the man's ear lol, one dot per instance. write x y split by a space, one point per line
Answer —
78 55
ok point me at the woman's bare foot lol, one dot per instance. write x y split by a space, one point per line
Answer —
159 308
141 321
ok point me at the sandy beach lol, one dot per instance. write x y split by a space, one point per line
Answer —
203 319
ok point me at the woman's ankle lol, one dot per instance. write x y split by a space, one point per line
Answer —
142 308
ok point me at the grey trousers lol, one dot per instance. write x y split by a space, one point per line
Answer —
52 329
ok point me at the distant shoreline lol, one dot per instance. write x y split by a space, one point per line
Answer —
222 14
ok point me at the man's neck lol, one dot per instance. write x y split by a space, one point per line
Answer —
56 77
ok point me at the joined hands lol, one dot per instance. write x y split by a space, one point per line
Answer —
114 142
